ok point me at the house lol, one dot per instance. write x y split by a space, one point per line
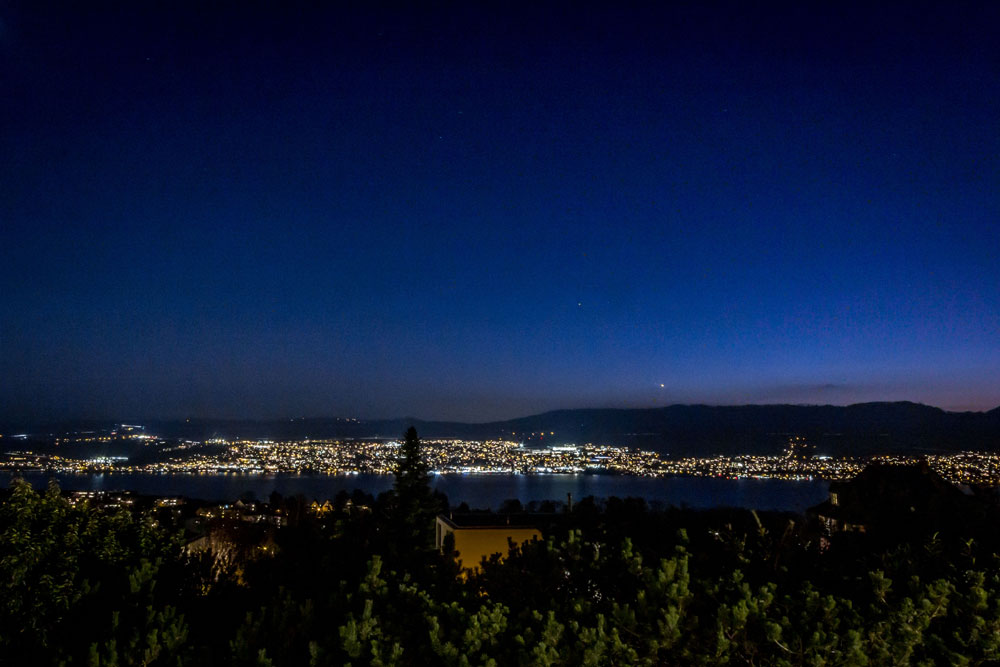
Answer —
900 500
480 536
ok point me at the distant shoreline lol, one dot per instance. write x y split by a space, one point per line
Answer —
480 491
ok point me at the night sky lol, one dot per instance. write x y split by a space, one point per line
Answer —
487 210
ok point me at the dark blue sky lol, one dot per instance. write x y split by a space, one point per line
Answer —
489 210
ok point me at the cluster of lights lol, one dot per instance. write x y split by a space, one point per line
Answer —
357 456
333 457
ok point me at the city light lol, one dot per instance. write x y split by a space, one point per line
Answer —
454 456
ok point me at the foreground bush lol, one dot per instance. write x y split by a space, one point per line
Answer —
84 586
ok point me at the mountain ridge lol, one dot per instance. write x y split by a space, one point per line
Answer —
676 430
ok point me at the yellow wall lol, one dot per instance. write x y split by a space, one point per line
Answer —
473 544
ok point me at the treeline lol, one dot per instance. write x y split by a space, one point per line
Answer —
612 583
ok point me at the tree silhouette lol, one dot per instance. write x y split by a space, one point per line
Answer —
412 479
415 503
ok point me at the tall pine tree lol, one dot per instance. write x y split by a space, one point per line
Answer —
412 479
415 503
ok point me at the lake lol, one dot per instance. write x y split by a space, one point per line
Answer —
479 491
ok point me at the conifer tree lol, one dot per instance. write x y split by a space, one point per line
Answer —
415 502
412 483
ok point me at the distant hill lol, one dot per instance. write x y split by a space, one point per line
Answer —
682 430
677 430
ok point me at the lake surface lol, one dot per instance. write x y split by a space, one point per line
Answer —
479 491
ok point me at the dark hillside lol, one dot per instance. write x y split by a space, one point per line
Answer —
677 430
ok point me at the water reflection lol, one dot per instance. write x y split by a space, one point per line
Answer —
482 491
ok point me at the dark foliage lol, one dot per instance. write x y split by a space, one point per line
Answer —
612 583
